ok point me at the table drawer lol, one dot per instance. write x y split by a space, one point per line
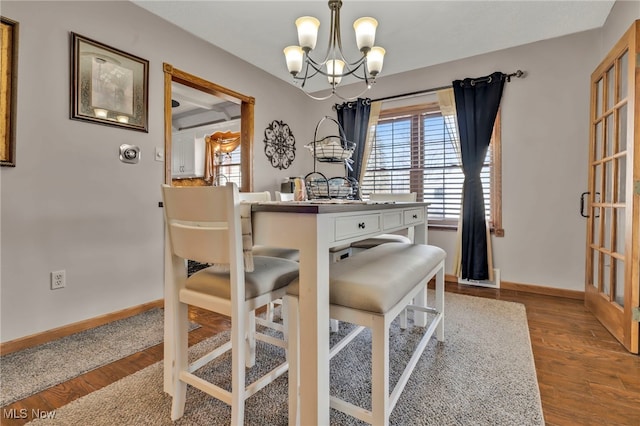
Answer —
413 216
353 226
392 220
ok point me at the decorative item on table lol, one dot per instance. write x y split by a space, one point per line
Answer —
299 189
319 187
331 149
343 187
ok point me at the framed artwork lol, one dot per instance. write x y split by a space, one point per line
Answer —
108 86
8 89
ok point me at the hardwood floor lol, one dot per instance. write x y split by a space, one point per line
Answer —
585 376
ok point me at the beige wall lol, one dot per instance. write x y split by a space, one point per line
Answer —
71 204
545 136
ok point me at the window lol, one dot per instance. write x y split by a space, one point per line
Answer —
228 167
416 149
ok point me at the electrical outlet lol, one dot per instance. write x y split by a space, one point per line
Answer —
58 280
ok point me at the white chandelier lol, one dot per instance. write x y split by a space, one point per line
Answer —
334 65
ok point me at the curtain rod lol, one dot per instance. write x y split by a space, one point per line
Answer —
517 74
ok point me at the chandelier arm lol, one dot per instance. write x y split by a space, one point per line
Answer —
331 45
337 37
318 98
350 98
357 63
335 93
334 48
306 74
317 67
352 68
353 72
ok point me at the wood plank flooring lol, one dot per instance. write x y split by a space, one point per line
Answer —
585 376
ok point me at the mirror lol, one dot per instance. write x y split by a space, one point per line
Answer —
195 110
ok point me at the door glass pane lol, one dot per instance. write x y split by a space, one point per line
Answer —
595 197
609 141
606 243
622 128
595 239
606 274
599 98
618 294
622 178
620 228
597 146
596 268
608 182
610 87
623 66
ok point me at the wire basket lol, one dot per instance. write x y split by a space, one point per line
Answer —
331 149
343 187
319 187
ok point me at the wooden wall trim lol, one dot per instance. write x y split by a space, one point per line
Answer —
66 330
530 288
547 291
56 333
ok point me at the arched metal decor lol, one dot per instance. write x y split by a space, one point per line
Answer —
279 144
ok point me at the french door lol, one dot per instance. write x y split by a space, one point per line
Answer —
612 284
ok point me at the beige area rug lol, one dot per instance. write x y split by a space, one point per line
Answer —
482 375
32 370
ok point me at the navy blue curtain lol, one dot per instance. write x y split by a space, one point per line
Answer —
477 103
354 118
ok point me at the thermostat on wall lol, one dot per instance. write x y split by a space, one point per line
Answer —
129 153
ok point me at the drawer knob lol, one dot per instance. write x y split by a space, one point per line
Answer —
361 225
415 216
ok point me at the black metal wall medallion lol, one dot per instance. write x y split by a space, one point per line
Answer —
279 144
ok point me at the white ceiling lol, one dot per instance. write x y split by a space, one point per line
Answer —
196 108
415 34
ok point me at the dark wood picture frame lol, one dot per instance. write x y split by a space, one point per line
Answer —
108 86
8 90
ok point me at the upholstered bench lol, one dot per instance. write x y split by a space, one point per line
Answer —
371 290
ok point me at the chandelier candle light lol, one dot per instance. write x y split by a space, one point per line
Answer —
334 66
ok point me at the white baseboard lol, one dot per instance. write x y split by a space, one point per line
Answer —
484 283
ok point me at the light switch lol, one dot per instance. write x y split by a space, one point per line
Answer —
159 153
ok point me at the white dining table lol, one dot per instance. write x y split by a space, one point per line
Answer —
313 228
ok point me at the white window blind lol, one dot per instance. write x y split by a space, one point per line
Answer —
418 152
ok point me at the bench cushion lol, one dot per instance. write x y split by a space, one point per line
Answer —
283 253
270 273
377 279
380 239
